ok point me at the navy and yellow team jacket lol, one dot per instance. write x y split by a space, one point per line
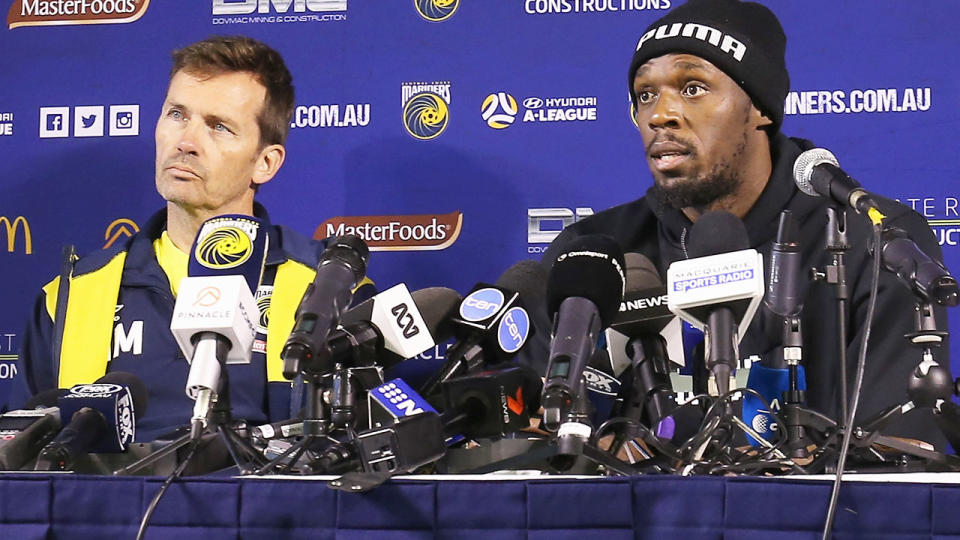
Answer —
117 318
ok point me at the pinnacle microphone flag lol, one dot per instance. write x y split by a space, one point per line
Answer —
225 269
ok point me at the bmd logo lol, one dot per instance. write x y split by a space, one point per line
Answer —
245 7
11 228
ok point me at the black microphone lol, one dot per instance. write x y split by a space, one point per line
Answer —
342 265
817 173
718 289
788 281
491 324
391 327
24 432
927 278
643 314
102 418
584 289
491 403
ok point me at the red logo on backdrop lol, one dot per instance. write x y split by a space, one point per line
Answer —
397 233
59 12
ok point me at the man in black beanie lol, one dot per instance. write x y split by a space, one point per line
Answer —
707 84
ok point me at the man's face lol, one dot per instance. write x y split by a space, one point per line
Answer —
697 124
208 141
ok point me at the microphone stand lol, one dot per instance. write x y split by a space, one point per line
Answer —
929 387
835 274
220 422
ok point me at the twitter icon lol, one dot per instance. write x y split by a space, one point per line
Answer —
88 121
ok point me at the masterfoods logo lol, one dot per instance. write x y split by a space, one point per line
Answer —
424 232
278 11
66 12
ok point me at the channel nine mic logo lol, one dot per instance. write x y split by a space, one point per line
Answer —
225 244
426 108
436 10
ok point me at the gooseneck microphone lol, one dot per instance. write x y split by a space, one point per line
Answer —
100 417
342 266
817 173
584 289
718 289
213 319
927 278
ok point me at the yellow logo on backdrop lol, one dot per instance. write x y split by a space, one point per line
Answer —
12 227
122 227
436 10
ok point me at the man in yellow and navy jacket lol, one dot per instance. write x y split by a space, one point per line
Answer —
219 137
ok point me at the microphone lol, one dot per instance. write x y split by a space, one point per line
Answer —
817 173
784 297
718 289
927 278
102 419
213 318
584 289
643 314
24 432
491 403
342 265
389 328
491 324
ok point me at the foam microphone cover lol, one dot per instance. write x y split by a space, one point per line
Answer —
231 244
529 278
590 267
47 398
138 390
641 273
437 305
717 232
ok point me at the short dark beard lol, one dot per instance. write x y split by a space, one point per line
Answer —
699 193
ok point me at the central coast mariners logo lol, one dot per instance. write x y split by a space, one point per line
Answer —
426 108
225 243
436 10
263 296
499 110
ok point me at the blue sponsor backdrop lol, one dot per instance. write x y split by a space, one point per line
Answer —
527 100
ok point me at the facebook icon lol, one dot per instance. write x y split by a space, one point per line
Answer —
54 122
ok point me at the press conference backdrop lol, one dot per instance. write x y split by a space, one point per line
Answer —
458 136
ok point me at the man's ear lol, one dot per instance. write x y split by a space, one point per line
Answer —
758 119
268 163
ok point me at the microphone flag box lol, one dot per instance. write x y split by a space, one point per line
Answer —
220 304
498 315
393 400
395 314
694 286
114 402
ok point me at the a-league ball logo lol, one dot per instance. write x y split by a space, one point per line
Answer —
499 110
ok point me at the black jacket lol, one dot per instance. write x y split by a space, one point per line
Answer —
646 226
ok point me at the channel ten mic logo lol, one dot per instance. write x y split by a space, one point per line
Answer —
65 12
423 232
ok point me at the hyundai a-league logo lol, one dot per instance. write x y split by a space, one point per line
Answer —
499 110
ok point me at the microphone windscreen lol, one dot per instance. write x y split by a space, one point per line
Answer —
528 278
437 305
138 390
590 267
717 232
641 273
47 398
230 245
350 250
